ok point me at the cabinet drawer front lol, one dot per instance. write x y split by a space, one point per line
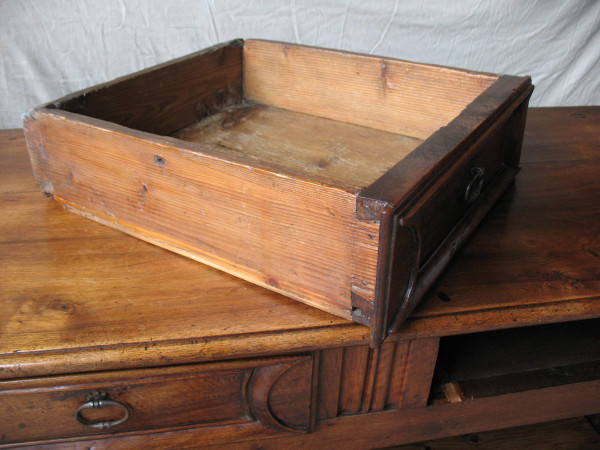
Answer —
448 200
427 233
275 392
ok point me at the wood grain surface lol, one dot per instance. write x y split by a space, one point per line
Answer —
84 287
388 94
79 292
300 238
348 155
562 134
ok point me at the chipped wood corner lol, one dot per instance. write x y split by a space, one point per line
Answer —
37 155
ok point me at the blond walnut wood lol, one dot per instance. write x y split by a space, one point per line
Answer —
383 93
288 196
298 238
339 153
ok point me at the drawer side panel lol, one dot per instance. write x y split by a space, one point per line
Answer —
167 97
293 236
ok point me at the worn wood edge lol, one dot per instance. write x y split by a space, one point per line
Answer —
384 254
465 322
409 178
376 57
67 380
37 156
387 428
204 349
180 351
197 254
193 149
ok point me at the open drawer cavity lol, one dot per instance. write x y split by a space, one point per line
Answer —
503 362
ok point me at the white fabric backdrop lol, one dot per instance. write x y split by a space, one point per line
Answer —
49 48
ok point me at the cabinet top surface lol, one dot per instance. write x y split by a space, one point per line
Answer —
76 294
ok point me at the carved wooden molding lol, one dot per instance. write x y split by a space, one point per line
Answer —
259 387
360 379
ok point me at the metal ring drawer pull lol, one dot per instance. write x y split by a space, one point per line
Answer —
475 186
101 403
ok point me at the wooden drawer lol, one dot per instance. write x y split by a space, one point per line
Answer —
274 393
298 169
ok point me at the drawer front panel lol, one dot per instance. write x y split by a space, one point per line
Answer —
428 232
220 393
446 203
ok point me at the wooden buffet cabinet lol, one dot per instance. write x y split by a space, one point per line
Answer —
106 341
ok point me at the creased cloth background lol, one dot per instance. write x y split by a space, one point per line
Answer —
49 48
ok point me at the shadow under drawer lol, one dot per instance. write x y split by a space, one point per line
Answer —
507 361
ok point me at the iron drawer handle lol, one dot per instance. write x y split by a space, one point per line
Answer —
101 403
475 186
